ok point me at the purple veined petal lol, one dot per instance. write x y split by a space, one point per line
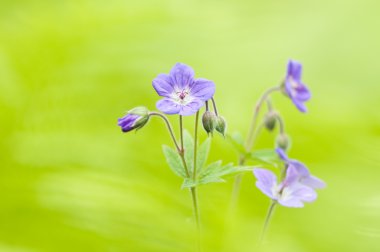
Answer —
182 75
191 107
202 89
300 168
266 181
163 85
281 153
313 182
299 104
168 106
294 69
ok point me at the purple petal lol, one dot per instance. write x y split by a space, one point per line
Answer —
191 108
281 153
163 85
291 176
294 69
127 122
302 93
266 180
313 182
182 75
202 89
294 195
168 106
299 104
300 168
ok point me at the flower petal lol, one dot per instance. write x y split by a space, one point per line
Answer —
299 104
300 168
266 180
191 108
163 85
202 89
302 93
313 182
294 195
281 153
168 106
127 122
295 69
182 75
292 176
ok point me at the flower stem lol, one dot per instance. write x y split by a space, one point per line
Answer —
252 134
193 189
263 98
195 145
267 220
214 105
181 151
169 127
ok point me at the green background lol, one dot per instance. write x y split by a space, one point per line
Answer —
71 181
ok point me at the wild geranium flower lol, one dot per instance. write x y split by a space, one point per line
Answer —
134 119
289 192
304 176
293 86
183 94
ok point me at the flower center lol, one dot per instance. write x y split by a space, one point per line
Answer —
182 94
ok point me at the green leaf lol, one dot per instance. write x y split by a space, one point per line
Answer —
174 160
237 141
188 145
267 156
202 154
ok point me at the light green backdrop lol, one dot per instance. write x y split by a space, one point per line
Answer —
71 181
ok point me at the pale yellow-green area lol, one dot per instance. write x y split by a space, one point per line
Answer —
71 181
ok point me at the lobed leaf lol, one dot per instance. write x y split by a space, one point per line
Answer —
174 161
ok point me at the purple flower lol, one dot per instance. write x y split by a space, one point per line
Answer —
183 94
289 192
294 88
134 119
304 176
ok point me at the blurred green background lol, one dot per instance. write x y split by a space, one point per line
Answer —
71 181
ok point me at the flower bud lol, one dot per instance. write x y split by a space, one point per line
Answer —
220 125
134 119
209 121
283 142
270 120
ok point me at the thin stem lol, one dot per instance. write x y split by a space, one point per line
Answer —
249 142
206 105
281 122
181 132
196 215
267 220
169 127
181 151
195 145
214 105
252 134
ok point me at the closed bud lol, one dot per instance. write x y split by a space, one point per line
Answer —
209 121
270 120
221 125
283 141
134 119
